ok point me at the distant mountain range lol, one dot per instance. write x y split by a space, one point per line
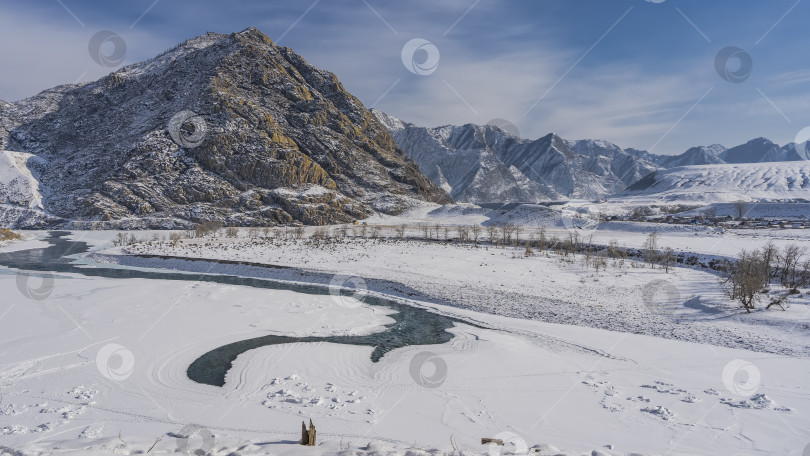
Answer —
221 127
485 164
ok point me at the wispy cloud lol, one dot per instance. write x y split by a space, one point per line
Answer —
496 60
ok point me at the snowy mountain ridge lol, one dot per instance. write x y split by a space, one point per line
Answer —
787 181
485 164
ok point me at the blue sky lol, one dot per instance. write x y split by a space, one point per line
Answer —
635 72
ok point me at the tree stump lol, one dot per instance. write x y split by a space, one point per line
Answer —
307 436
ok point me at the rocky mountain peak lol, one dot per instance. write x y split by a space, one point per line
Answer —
279 141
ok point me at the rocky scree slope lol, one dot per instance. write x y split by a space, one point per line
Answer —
283 142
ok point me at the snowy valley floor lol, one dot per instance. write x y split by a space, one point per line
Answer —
98 366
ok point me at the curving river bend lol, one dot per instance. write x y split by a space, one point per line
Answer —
411 326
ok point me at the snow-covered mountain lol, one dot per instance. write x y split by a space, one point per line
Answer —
788 181
263 138
485 164
701 155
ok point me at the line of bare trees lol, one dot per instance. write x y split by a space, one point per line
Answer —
749 277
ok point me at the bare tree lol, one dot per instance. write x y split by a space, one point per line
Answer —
476 232
743 279
667 259
400 230
506 233
769 255
542 241
710 213
789 261
463 233
492 232
231 232
651 248
740 209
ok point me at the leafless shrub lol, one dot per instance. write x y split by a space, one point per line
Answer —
231 232
207 227
174 238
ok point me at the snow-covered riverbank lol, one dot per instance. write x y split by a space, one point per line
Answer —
101 357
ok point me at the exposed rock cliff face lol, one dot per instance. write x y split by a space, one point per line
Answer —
274 140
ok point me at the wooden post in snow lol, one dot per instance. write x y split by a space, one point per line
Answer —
307 436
